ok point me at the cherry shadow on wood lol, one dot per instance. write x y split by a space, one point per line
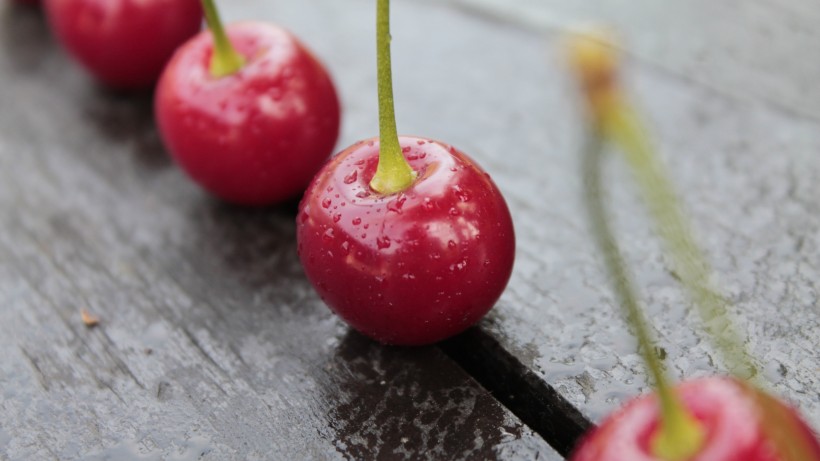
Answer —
25 37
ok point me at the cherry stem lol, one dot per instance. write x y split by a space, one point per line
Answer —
689 263
595 61
680 435
393 173
225 60
693 270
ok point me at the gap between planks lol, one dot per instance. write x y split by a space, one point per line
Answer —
518 388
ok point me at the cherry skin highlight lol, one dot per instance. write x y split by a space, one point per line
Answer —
124 43
727 410
413 267
255 137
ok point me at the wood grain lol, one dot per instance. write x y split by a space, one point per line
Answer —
211 343
745 168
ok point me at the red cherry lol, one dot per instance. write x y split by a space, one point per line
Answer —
124 43
413 267
727 410
256 136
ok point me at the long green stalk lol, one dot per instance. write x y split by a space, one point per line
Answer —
225 60
393 173
689 263
680 435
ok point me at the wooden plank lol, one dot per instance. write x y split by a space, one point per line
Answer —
487 86
211 344
750 49
745 169
747 172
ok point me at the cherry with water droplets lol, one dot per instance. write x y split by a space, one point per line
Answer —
397 200
728 410
248 112
385 283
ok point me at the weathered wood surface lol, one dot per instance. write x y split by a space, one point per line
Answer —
211 340
211 345
750 49
726 86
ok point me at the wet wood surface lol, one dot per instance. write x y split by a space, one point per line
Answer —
741 142
212 344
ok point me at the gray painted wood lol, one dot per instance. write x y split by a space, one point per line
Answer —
244 361
747 170
750 49
211 343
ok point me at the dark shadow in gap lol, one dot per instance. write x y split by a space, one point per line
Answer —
518 388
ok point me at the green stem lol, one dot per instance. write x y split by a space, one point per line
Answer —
680 435
688 261
393 173
225 60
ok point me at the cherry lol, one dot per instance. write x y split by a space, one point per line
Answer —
412 267
406 239
124 43
727 409
251 124
723 407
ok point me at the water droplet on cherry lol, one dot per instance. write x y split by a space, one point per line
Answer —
351 178
461 193
396 205
383 242
327 237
